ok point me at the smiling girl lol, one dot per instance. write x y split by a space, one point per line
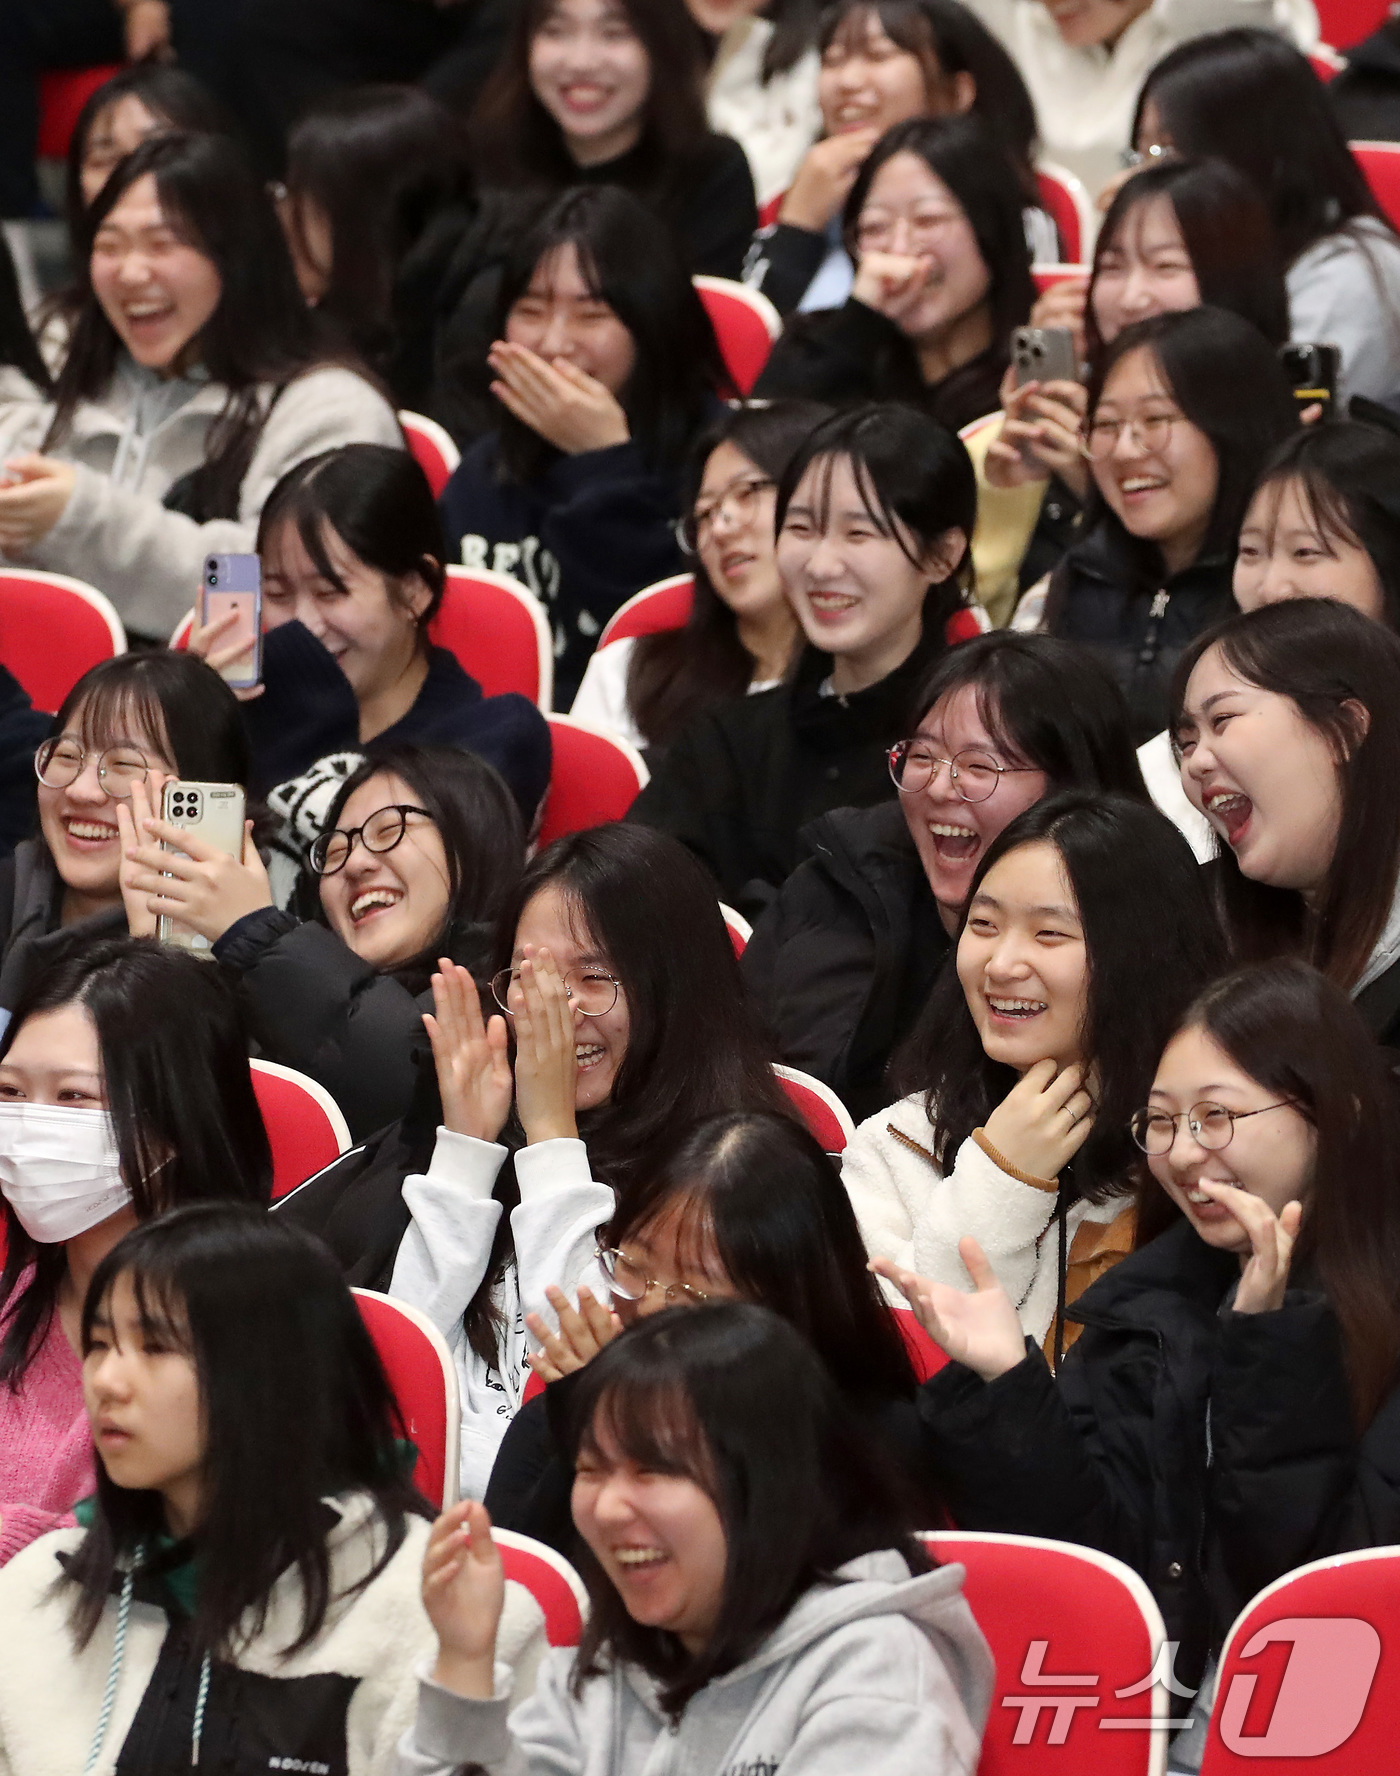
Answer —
1182 414
1287 730
1230 1411
245 1584
873 515
752 1578
193 381
1033 1052
124 1091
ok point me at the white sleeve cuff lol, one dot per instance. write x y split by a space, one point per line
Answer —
466 1164
550 1166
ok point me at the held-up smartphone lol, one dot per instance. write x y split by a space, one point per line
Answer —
1044 354
1312 372
234 582
214 813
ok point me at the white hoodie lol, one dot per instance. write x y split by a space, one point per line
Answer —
884 1675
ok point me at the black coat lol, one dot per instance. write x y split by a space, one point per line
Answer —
854 353
1209 1450
32 932
739 782
843 960
1365 96
1138 634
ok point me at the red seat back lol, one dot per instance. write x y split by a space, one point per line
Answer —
594 778
1067 203
419 1367
926 1356
431 448
499 633
62 94
1310 1674
550 1580
305 1127
666 605
1345 22
745 324
52 631
819 1107
1071 1631
738 927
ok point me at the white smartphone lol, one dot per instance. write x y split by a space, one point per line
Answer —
234 583
214 813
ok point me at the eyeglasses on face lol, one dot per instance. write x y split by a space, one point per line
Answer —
385 828
739 499
974 774
632 1284
1211 1125
1151 431
62 760
591 991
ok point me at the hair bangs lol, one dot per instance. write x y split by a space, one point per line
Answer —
160 1304
650 1420
116 709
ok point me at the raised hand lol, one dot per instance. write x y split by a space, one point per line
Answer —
204 888
1044 1119
891 283
464 1591
565 405
583 1332
1039 435
824 180
207 640
1264 1280
980 1329
34 495
546 1059
131 825
473 1066
1062 305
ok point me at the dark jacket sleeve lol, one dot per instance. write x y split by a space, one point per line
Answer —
782 261
850 353
1291 1479
531 1484
696 796
307 708
722 212
22 728
317 1007
509 732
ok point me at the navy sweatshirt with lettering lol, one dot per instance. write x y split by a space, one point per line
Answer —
583 535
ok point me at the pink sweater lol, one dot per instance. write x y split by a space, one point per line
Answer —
45 1445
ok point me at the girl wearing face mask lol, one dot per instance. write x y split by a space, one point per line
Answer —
933 223
1182 414
124 1091
615 976
603 370
132 721
742 632
843 962
353 573
716 1443
700 1233
1230 1410
1031 1053
254 1531
193 381
420 849
881 64
873 515
1287 730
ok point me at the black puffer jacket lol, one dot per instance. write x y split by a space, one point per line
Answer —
32 932
741 780
1212 1451
1139 635
842 962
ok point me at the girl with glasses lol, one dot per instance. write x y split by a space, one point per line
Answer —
742 632
1230 1410
1033 1052
1183 411
421 848
615 1017
131 721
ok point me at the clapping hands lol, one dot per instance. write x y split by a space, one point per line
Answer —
979 1329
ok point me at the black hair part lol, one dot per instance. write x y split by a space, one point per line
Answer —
295 1407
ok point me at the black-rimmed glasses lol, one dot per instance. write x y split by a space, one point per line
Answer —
385 828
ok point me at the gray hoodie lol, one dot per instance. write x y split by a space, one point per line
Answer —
885 1675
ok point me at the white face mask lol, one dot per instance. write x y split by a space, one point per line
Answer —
59 1169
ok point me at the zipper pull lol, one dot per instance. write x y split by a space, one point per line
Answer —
1159 605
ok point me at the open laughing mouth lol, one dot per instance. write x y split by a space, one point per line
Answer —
1233 811
954 844
1017 1011
373 900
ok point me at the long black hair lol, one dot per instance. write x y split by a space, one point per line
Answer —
632 262
1299 1035
759 1190
674 674
733 1398
18 347
482 835
1327 658
1151 942
174 1051
260 333
1228 236
378 501
1348 479
1249 97
294 1406
694 1045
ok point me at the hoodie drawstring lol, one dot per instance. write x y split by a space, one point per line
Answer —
115 1669
200 1701
1061 1215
